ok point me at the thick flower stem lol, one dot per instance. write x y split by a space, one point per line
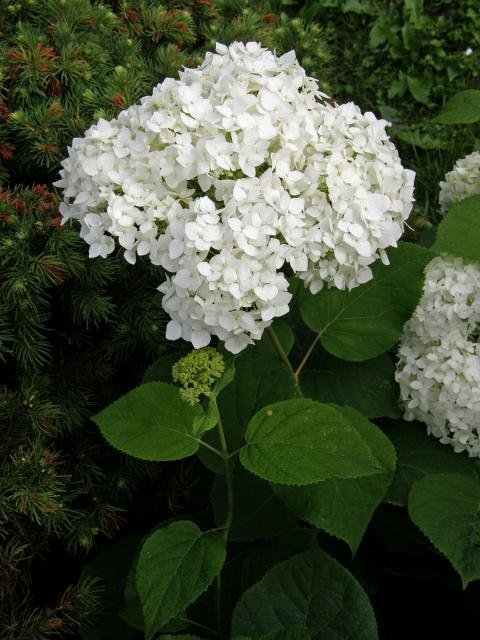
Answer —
230 506
228 478
284 358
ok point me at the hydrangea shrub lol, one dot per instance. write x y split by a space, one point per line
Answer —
264 199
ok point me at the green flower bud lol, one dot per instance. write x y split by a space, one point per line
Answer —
197 372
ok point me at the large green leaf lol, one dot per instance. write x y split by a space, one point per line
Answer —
366 321
366 386
462 108
459 232
311 590
446 508
260 379
132 612
151 422
344 507
258 512
419 454
300 442
265 554
176 565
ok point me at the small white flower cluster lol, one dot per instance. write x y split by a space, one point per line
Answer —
439 365
227 175
462 181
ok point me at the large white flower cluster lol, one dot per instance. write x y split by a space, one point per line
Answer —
225 176
462 181
439 366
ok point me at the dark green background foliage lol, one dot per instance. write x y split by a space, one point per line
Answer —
75 334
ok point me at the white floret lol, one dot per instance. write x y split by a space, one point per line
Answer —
461 182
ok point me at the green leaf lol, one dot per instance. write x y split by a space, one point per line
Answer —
258 512
300 442
459 232
206 421
311 590
176 565
413 8
356 6
366 321
379 32
446 508
418 455
421 139
462 108
161 369
397 87
260 379
151 422
227 376
263 555
132 612
420 88
366 386
344 507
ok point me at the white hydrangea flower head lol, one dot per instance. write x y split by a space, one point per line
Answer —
231 173
461 182
439 364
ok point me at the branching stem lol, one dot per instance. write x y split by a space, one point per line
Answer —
306 357
284 358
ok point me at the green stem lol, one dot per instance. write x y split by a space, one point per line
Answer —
279 349
306 357
284 358
230 505
205 444
228 471
197 624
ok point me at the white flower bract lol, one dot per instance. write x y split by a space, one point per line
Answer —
439 365
462 181
229 174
